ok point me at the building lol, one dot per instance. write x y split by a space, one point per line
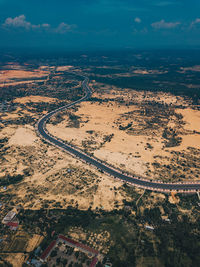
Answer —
91 252
13 225
72 243
9 217
48 251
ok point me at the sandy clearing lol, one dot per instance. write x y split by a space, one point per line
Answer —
173 200
23 137
20 168
190 140
106 112
19 112
11 74
105 195
193 68
139 71
16 259
17 83
10 116
63 68
34 98
127 151
100 119
122 160
7 77
7 131
191 118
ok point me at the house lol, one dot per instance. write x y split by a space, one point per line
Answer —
9 217
13 225
48 250
72 243
94 262
91 252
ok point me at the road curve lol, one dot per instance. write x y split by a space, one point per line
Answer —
186 187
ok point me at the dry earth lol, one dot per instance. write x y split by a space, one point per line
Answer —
19 75
53 178
48 181
139 150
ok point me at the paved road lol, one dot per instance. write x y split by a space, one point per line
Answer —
103 167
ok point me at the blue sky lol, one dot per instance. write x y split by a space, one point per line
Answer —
100 24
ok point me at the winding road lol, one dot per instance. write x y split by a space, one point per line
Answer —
183 187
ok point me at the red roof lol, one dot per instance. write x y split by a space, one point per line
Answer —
12 224
68 240
48 250
94 262
92 250
80 245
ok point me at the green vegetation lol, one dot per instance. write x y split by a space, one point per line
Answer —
8 180
173 243
171 136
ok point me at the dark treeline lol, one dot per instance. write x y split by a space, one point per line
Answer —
176 86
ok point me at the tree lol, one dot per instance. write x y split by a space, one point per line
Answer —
53 253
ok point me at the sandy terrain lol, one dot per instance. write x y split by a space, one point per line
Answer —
23 137
5 84
136 96
63 68
16 259
123 149
193 68
191 118
34 242
143 72
190 140
135 153
8 77
50 184
34 98
12 74
48 167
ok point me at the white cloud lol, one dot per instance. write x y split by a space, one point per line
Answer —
17 22
164 25
196 21
20 22
46 25
137 20
63 28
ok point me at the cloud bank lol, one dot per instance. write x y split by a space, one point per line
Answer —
164 25
195 22
20 22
